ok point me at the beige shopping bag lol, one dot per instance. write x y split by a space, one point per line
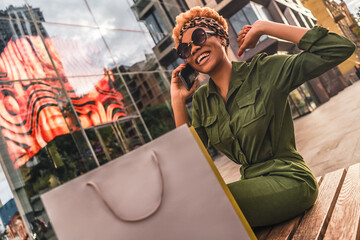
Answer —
168 189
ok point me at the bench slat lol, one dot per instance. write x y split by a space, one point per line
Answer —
286 230
262 232
319 180
344 223
315 221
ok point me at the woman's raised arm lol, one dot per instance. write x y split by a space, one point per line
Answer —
321 51
278 30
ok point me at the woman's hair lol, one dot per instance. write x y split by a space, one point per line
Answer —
194 12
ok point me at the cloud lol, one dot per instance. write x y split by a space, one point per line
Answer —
127 38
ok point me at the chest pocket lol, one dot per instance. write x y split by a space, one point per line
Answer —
211 126
250 110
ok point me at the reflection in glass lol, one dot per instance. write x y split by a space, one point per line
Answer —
35 112
133 139
146 89
133 55
113 17
98 147
23 55
15 228
77 50
63 11
101 104
52 166
111 141
106 142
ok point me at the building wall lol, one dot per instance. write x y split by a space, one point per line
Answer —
282 11
325 19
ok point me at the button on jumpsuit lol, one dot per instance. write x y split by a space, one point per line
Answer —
254 126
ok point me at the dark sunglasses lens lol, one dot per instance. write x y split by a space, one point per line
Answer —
199 37
184 50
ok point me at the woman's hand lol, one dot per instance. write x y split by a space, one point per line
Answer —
179 94
249 36
178 91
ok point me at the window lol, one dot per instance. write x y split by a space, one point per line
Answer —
248 15
309 22
262 12
301 22
155 26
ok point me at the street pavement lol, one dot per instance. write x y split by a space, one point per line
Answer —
328 138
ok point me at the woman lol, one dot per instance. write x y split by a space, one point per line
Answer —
243 110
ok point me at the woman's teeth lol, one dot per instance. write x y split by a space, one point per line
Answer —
202 57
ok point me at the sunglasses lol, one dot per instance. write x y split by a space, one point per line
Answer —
198 37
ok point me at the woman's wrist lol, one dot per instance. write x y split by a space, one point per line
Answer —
180 113
280 30
178 102
260 26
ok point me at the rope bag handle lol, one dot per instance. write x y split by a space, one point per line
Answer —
147 215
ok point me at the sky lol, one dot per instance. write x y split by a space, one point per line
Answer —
352 5
5 192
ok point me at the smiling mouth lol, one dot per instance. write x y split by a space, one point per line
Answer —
202 58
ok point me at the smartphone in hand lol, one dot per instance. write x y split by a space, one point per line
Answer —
188 76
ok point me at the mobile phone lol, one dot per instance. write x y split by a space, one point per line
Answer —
188 76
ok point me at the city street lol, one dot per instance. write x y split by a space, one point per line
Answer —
328 138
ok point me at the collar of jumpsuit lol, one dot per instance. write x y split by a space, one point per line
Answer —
239 73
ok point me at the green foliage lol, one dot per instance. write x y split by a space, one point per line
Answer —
158 119
52 167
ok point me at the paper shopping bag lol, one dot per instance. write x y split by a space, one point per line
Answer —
168 189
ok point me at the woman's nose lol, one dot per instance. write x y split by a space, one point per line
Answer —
194 49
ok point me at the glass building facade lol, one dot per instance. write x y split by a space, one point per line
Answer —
79 86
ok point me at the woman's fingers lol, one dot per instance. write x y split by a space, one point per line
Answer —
244 40
193 88
242 34
244 30
176 71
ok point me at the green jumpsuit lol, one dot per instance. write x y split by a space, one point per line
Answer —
254 126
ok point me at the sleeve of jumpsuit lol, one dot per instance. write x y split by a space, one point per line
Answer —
322 50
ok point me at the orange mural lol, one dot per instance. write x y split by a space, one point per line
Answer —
30 114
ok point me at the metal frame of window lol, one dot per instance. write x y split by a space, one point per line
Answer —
158 25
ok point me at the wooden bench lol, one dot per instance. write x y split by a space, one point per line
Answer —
335 214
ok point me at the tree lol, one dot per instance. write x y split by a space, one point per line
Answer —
158 118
